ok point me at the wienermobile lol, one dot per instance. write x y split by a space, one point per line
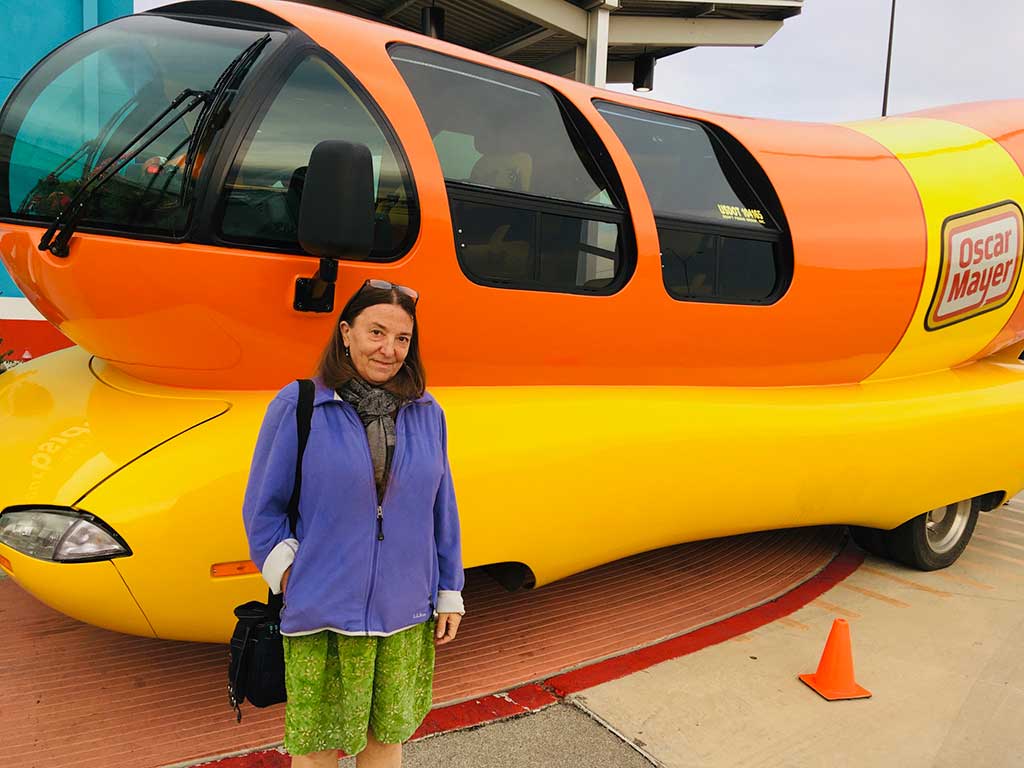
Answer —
647 324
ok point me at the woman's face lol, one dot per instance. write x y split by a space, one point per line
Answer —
378 341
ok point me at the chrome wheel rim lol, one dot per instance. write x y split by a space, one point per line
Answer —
945 525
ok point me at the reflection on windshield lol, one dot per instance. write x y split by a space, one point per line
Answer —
86 102
214 104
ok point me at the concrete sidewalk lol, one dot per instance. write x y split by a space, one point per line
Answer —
942 652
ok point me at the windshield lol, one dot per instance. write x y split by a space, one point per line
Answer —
89 98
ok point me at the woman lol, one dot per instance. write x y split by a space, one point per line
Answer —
372 580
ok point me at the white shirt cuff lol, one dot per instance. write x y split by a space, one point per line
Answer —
450 601
277 562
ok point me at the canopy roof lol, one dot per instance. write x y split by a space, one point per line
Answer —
559 35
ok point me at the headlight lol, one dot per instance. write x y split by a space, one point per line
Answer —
59 534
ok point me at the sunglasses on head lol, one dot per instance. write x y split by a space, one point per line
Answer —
384 285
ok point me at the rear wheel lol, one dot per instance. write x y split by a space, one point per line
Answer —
927 542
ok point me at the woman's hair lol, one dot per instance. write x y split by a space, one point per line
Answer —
335 367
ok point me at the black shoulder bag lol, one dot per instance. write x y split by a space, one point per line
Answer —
256 669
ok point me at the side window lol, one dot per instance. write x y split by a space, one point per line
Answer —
264 189
530 206
719 240
716 267
499 245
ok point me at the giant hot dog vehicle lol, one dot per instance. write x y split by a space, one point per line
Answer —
647 324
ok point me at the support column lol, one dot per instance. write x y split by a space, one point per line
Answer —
597 45
579 54
90 14
91 76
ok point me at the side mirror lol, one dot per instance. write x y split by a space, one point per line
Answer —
336 215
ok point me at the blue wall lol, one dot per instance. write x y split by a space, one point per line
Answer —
29 31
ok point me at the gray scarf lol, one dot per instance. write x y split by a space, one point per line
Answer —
375 407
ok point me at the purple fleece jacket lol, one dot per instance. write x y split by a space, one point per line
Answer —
343 577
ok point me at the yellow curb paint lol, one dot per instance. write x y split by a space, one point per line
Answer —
793 623
833 608
1008 527
904 582
965 580
876 595
985 551
1000 542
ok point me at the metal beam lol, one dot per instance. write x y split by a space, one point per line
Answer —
524 40
397 8
765 4
739 9
338 5
654 31
571 64
554 14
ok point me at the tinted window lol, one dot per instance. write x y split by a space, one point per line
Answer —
689 263
686 171
264 190
717 267
533 249
496 130
746 269
90 98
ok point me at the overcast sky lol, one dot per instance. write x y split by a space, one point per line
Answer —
828 63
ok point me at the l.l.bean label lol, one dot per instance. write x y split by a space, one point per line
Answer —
981 261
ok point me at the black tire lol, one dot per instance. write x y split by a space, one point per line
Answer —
927 542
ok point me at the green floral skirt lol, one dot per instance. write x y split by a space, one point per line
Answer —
338 685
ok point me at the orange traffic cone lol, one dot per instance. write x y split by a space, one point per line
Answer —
834 678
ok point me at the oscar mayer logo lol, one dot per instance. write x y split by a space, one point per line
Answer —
981 260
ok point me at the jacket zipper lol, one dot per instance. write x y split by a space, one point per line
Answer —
380 515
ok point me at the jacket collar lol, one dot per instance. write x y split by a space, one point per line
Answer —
325 394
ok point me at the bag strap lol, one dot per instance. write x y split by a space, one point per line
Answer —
243 652
303 419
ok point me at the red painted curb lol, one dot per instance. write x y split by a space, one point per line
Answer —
528 698
536 696
37 337
845 563
270 758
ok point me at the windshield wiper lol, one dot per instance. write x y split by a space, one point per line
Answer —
56 237
215 112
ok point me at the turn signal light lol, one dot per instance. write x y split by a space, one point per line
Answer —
237 568
6 564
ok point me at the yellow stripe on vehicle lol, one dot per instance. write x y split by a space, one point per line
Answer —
971 191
